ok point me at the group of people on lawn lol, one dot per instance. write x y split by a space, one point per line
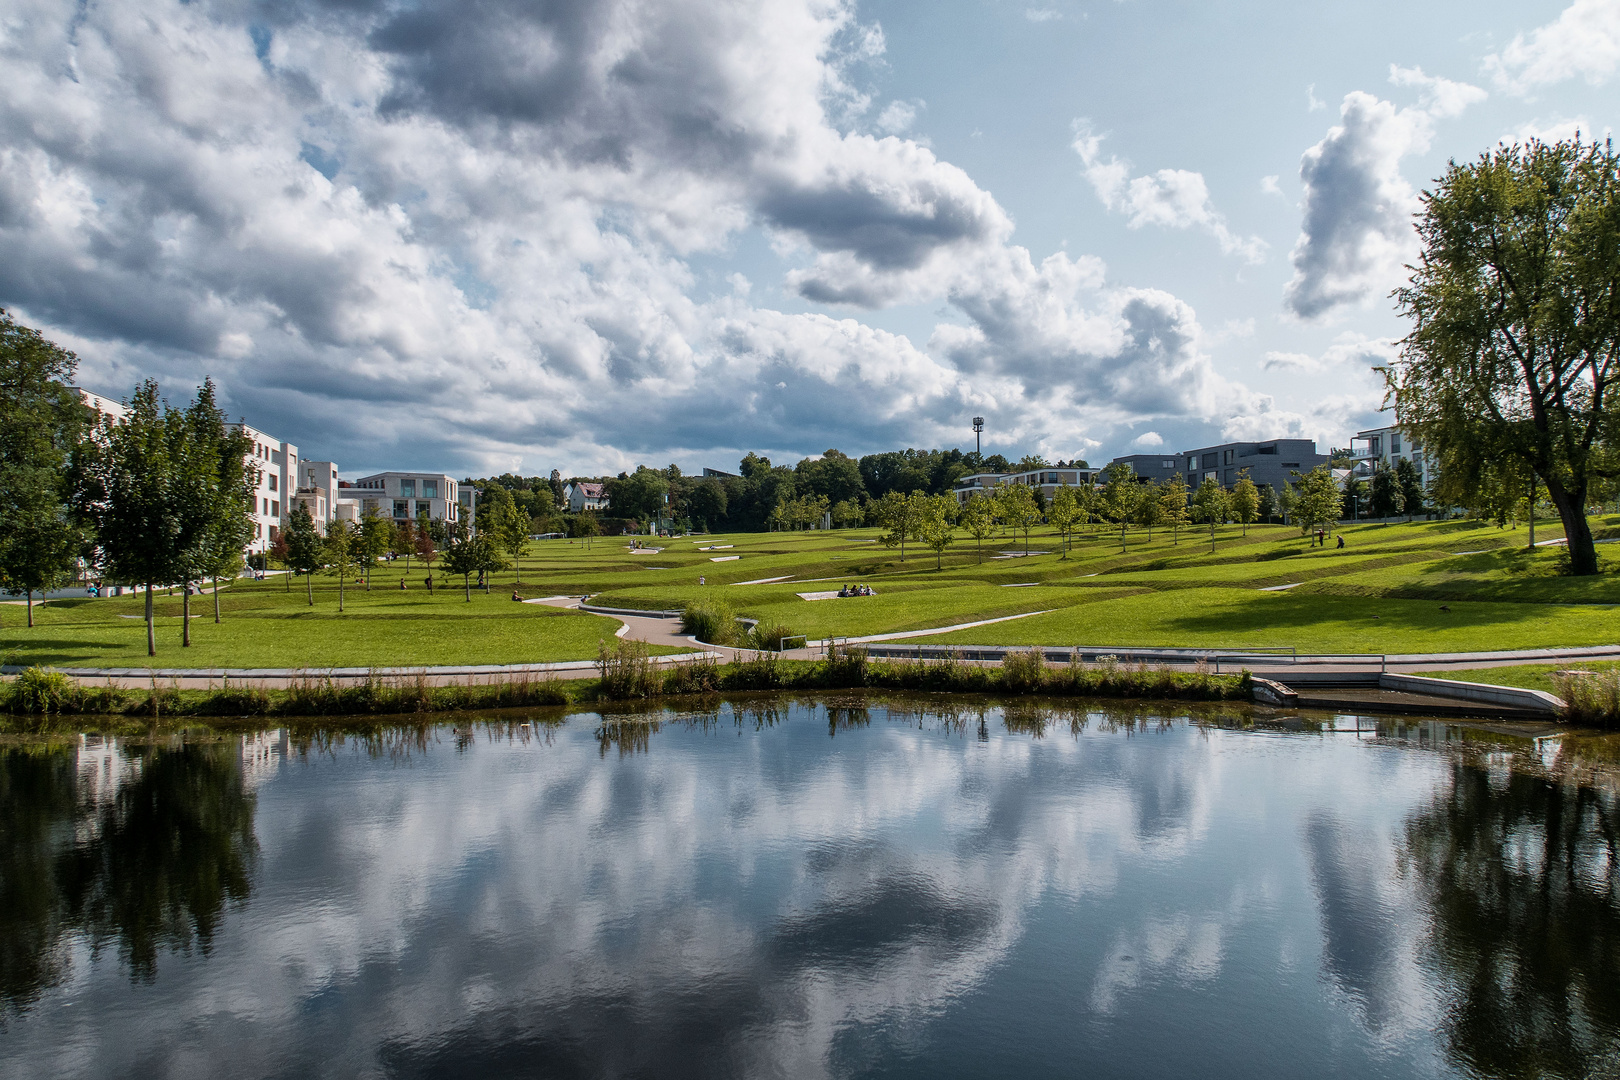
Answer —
857 590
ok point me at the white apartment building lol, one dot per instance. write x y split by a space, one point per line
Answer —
277 462
1383 447
102 406
1047 480
275 459
402 495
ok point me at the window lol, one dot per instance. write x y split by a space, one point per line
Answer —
402 508
1290 464
430 489
424 508
272 481
275 508
266 510
1272 449
407 487
1192 463
1167 464
1395 443
1229 457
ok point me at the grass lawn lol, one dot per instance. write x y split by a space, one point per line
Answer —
265 626
1382 593
1385 592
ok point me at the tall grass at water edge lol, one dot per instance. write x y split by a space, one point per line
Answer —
40 693
1591 697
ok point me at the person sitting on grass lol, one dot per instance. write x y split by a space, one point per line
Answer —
516 597
401 584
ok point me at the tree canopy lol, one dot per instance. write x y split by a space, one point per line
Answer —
1515 312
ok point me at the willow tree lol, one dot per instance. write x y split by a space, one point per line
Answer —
1515 310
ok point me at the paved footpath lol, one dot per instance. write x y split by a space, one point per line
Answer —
663 628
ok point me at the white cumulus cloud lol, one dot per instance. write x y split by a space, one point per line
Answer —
1172 198
1583 42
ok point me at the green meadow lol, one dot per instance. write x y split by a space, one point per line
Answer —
1458 586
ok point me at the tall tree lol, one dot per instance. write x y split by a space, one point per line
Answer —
1150 510
1515 310
222 480
133 473
978 517
304 548
934 525
1245 500
1016 508
1064 514
1319 502
1211 503
1385 497
1173 497
41 421
425 549
1411 482
405 544
376 536
1120 494
340 552
898 514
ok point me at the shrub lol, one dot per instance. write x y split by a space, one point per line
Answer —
1023 671
627 670
1593 697
42 690
845 666
710 621
767 635
698 676
761 671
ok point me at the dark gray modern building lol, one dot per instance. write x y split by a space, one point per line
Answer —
1271 462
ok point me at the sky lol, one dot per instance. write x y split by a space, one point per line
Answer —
482 236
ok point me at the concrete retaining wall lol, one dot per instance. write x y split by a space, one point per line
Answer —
1511 696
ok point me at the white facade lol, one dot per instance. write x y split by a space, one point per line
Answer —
1383 447
102 406
1048 480
584 496
277 462
401 495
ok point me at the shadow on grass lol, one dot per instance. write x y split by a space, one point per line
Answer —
1306 614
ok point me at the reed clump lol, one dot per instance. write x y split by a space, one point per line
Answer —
711 621
1591 696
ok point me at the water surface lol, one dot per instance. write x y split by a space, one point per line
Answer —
829 888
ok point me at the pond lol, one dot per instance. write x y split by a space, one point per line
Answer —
831 887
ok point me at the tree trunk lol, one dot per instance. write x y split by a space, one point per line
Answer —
1572 511
466 584
309 588
1531 504
216 599
185 614
340 590
151 638
30 607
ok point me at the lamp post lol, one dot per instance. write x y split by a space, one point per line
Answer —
978 427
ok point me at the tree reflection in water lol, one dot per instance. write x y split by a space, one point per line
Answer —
1519 873
147 859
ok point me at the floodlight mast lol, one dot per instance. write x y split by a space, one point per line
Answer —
978 426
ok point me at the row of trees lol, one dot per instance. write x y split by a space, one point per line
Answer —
1120 499
350 550
158 498
763 495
